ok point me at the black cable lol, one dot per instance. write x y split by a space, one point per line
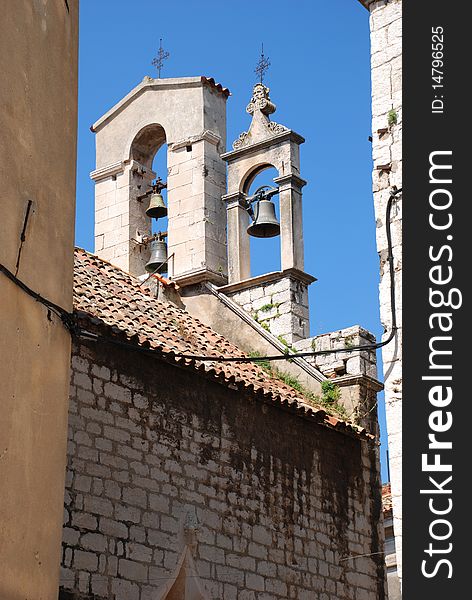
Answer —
375 346
23 236
69 319
66 317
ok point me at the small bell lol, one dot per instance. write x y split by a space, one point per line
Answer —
158 260
156 208
265 222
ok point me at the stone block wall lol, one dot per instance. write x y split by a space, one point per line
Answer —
197 216
279 506
341 363
386 64
120 218
280 306
354 372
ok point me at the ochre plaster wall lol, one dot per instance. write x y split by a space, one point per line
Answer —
38 121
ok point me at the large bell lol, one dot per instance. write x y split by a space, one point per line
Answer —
156 208
158 261
265 222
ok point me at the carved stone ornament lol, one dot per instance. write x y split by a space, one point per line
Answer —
261 127
241 141
276 127
260 100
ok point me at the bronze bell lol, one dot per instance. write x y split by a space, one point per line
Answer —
265 222
156 208
158 260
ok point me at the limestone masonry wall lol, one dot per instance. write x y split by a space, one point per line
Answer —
386 63
279 306
341 363
276 506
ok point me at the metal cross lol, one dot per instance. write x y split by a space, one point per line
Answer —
158 62
263 65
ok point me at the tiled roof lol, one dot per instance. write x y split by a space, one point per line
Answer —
112 301
212 83
386 499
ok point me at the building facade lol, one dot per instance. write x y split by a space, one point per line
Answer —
188 476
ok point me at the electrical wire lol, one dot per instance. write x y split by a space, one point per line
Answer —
70 322
68 318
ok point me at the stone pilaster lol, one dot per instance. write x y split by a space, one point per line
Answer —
291 221
239 257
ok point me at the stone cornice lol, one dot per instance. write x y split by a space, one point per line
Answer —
199 276
207 136
276 140
267 278
107 171
119 167
290 180
370 382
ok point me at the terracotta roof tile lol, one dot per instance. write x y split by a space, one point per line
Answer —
212 83
386 499
107 297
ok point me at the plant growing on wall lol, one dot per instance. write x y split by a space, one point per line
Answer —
392 117
331 392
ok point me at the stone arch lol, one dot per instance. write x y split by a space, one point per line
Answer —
264 254
146 143
184 583
249 177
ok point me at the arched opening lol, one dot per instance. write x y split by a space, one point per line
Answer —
159 166
265 252
149 149
146 144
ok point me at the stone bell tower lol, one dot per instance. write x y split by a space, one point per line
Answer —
189 114
278 300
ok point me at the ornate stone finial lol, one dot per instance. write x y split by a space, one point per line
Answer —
260 100
260 107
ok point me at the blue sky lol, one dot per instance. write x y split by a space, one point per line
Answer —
320 81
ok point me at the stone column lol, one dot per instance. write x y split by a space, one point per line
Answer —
291 221
196 226
239 258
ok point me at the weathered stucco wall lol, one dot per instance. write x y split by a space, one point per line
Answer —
277 505
38 120
386 63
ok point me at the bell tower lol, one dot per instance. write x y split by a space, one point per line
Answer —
189 115
283 294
